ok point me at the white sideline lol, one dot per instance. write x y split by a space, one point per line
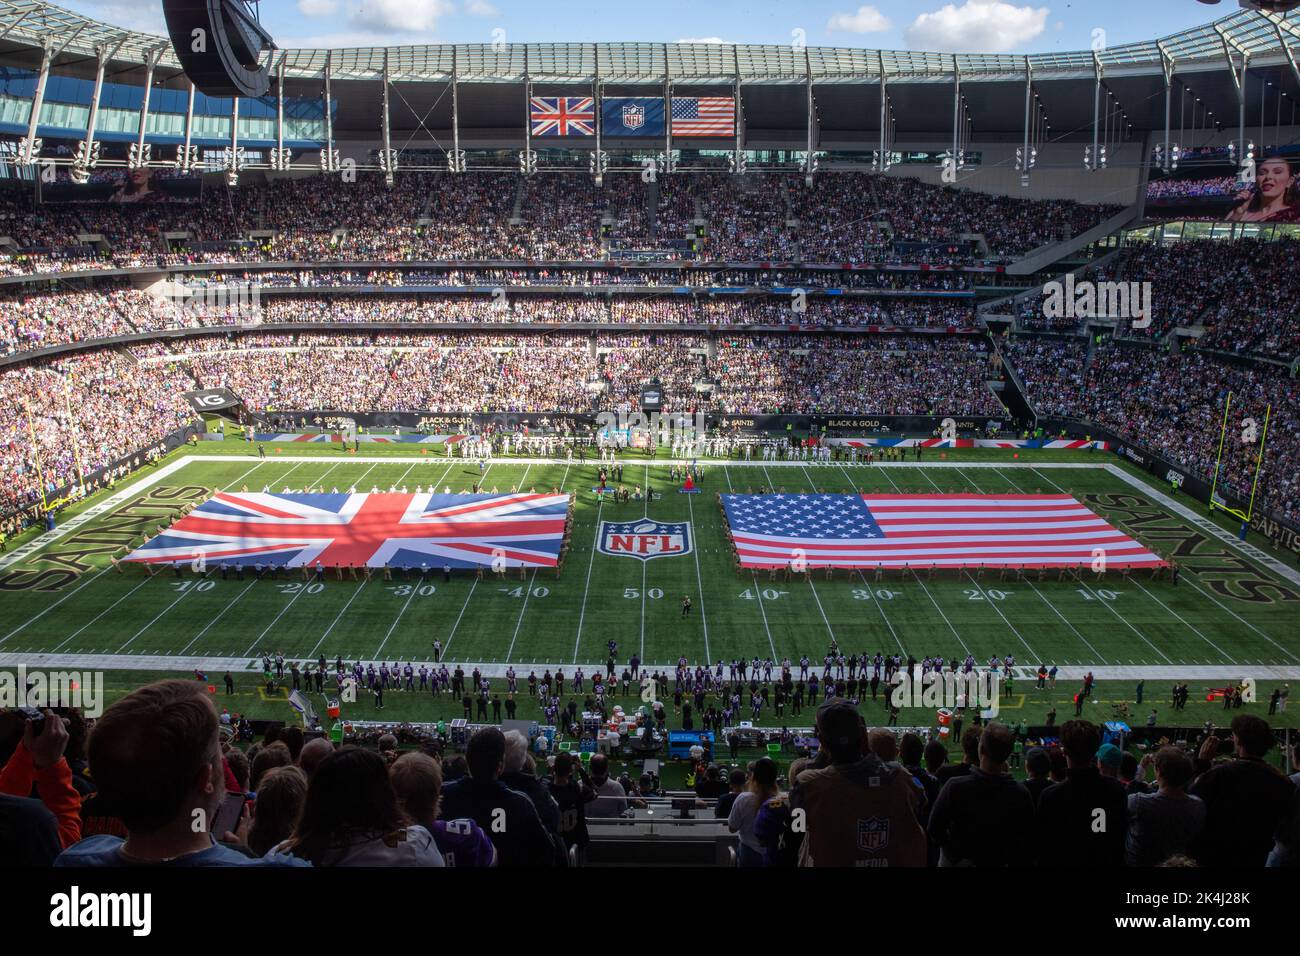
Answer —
213 667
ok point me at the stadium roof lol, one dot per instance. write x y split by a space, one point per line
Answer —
1133 72
33 22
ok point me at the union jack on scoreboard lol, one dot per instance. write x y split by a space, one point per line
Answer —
944 531
563 115
704 116
338 530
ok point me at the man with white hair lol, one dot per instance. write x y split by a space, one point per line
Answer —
520 774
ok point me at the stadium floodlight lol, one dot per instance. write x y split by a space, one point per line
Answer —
138 155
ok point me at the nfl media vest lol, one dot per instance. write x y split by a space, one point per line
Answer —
861 814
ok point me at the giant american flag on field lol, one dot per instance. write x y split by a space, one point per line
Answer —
946 531
358 529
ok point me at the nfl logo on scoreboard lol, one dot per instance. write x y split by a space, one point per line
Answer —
633 116
873 834
645 539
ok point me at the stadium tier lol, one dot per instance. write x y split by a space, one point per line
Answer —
549 454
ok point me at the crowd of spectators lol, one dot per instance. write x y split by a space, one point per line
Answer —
843 217
65 316
1173 404
128 789
1242 293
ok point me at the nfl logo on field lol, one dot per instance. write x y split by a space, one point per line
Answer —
873 834
633 116
645 539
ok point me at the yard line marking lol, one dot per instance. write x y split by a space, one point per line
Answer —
527 595
582 613
180 597
1195 630
1065 620
825 619
916 577
1211 597
249 472
699 580
219 615
881 608
338 616
100 614
296 594
411 597
65 597
758 591
644 564
1168 610
452 636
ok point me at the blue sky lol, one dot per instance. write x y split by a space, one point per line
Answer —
967 25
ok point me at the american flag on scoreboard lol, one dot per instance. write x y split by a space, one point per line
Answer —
563 115
946 531
337 530
704 116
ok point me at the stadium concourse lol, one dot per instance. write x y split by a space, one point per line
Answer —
488 504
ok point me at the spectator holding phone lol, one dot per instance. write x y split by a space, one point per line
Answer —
156 758
31 832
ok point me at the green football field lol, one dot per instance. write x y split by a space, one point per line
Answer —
1231 615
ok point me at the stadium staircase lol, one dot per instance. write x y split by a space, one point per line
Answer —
652 211
1009 308
517 209
1048 253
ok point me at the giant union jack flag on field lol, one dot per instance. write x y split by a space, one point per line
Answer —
400 530
946 531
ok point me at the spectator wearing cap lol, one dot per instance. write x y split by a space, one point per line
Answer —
985 818
1246 799
1109 758
155 756
859 811
1164 823
1082 820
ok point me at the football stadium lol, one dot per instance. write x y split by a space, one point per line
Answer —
718 453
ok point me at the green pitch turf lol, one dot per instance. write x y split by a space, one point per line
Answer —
1229 616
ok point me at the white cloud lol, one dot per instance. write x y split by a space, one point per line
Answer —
481 8
977 26
701 40
131 14
866 20
398 16
318 8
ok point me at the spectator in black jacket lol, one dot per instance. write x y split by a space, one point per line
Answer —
1083 820
736 780
519 775
1245 798
985 818
970 745
572 796
522 840
1038 772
